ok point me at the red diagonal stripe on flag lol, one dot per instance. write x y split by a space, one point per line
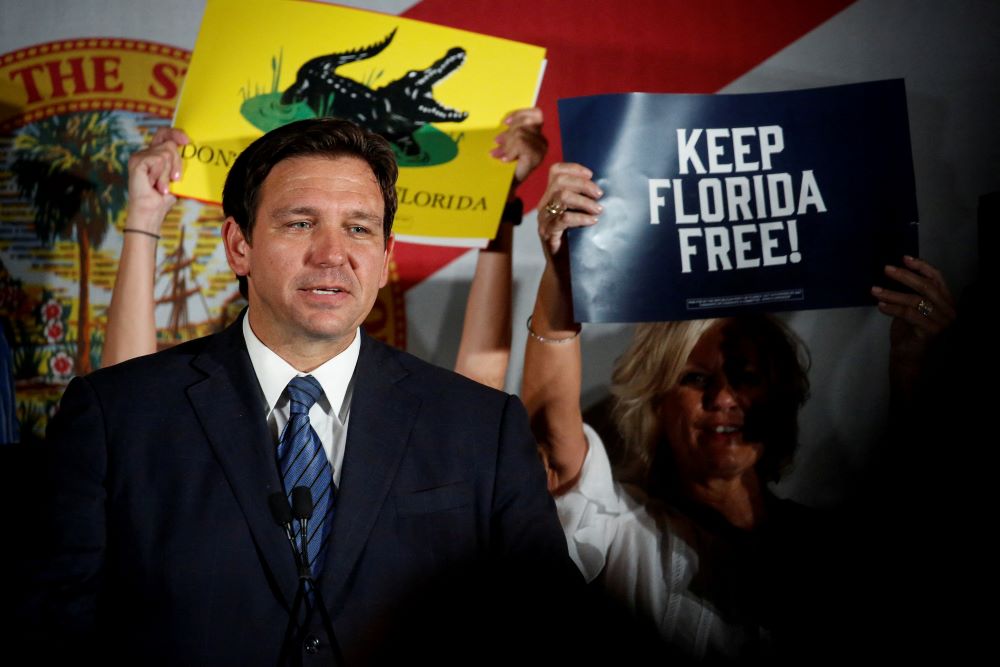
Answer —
597 46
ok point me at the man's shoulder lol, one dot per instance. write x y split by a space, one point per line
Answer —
173 362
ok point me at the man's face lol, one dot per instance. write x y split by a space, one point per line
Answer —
317 259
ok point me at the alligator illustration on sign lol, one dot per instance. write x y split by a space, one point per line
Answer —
399 111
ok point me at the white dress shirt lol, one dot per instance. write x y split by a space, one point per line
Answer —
329 415
645 555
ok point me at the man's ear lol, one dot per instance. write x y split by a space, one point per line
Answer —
237 247
389 243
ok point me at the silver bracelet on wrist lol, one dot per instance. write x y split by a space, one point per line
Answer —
551 341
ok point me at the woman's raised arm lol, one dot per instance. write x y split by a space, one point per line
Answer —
552 362
484 351
131 325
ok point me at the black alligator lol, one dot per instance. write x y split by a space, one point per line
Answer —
395 111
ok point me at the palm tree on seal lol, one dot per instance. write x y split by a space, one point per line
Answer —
73 169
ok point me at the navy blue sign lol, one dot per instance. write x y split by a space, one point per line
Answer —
717 205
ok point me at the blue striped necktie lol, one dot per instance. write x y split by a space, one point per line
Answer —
303 463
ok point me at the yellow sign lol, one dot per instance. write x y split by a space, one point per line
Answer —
437 94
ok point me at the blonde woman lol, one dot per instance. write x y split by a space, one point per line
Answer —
695 544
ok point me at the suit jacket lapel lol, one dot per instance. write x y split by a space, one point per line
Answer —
229 407
382 416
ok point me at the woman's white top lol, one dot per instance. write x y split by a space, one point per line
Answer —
646 556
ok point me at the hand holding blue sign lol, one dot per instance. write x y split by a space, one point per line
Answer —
924 314
918 318
570 201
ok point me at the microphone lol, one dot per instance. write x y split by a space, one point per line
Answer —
302 503
280 509
302 509
282 513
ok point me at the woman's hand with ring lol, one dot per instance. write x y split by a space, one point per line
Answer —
918 317
570 201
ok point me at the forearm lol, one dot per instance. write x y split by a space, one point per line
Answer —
484 351
131 324
552 382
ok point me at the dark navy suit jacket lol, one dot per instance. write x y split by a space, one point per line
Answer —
162 544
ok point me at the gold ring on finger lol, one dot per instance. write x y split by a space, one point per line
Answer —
925 307
555 208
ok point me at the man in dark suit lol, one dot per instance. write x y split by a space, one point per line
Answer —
431 523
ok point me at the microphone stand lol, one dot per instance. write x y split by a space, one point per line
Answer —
307 592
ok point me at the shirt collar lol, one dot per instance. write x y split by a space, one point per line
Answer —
274 373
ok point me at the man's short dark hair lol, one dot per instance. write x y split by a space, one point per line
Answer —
316 137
